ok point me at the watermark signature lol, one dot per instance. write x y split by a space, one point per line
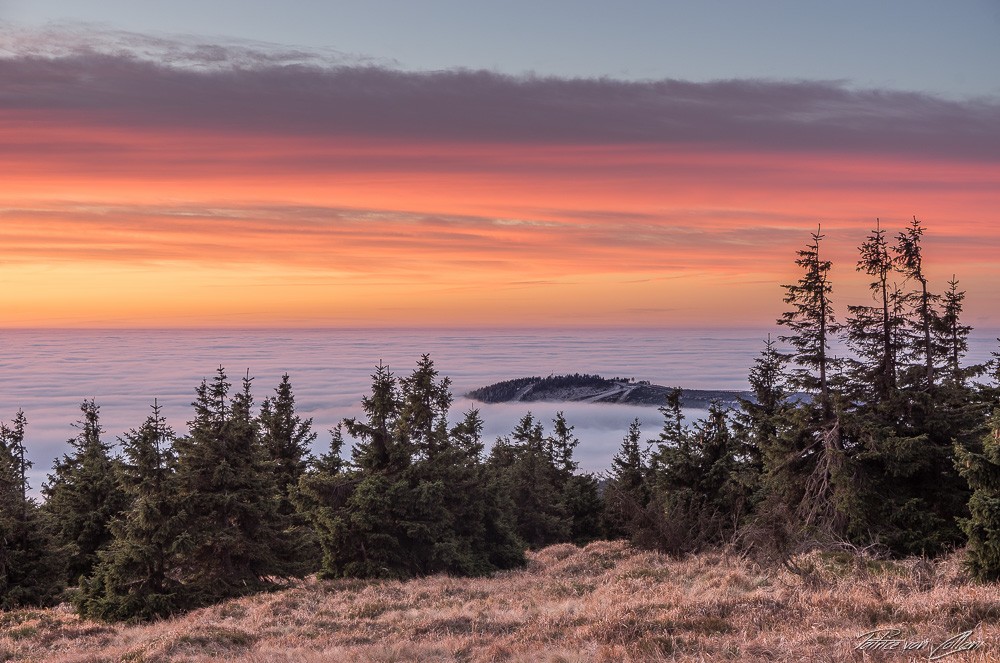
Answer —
888 639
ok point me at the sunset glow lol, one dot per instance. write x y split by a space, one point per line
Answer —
142 193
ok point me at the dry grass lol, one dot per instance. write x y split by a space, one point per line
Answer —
606 602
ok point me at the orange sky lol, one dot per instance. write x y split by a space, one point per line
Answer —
157 221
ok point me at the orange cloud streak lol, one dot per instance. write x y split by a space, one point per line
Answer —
105 226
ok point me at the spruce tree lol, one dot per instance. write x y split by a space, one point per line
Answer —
82 495
422 424
561 444
377 451
989 392
10 506
357 511
721 467
696 476
578 492
320 492
952 336
522 466
233 540
485 537
287 438
629 466
672 513
980 465
811 324
31 566
813 434
771 464
626 492
415 498
672 463
872 330
467 434
137 577
16 463
909 260
760 418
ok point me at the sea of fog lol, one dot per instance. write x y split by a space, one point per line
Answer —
48 373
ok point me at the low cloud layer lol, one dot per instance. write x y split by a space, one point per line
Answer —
126 370
51 372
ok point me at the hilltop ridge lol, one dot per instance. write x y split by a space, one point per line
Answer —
584 388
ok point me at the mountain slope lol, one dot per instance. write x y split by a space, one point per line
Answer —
605 602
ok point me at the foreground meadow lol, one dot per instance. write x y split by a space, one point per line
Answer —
605 602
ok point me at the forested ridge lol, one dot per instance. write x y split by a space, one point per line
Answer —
896 448
596 389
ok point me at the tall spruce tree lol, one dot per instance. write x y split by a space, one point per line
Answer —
16 463
415 499
953 337
626 491
138 575
561 444
760 418
484 516
673 465
813 435
872 330
578 492
811 324
82 496
522 467
422 424
233 540
908 493
31 567
287 438
909 260
358 512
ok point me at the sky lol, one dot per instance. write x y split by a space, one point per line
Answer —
464 164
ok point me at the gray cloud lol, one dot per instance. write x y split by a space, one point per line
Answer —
120 80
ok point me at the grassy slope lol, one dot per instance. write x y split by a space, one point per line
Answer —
605 602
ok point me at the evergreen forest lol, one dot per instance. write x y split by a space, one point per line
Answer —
893 447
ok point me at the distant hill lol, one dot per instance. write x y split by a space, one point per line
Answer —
579 388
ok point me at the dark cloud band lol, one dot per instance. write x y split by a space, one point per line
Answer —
160 84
